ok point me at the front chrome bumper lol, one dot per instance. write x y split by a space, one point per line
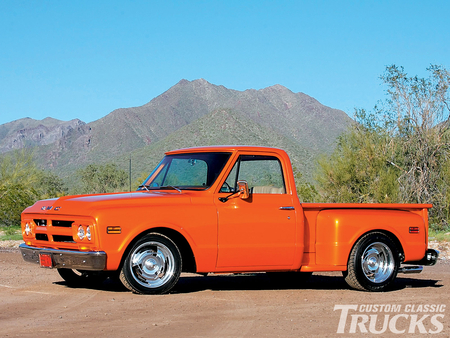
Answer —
67 259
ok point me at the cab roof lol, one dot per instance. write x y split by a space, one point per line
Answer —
224 148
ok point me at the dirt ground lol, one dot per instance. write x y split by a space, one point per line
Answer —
36 302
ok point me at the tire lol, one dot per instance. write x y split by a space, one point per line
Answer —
373 263
74 277
152 266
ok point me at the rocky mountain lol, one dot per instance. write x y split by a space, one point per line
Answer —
33 133
222 126
188 114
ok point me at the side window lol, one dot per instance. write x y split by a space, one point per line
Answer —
263 174
230 184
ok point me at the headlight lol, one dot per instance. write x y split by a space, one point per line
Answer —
27 229
81 234
88 233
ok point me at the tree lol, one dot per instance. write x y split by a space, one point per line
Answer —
306 191
103 178
141 179
357 171
18 177
421 110
22 184
401 151
50 185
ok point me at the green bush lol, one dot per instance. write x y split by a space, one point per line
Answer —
22 184
400 152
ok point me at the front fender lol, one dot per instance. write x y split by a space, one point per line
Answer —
198 227
115 243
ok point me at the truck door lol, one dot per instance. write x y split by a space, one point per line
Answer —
259 231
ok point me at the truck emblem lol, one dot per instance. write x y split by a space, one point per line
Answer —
50 207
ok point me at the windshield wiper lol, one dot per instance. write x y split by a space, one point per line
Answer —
172 187
147 187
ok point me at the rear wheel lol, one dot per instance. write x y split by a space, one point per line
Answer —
373 263
152 266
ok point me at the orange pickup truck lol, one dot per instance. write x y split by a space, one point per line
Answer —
223 209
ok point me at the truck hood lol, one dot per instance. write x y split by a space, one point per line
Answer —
85 205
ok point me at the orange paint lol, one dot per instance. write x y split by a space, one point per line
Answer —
269 231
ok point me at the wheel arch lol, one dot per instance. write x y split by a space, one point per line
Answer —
186 252
385 232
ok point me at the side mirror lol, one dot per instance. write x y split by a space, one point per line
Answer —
243 189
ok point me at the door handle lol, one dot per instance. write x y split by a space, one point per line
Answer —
287 208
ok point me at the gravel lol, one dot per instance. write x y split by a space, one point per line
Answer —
443 248
10 245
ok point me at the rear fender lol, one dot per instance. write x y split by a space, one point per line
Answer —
338 230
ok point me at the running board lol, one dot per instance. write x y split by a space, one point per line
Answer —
410 269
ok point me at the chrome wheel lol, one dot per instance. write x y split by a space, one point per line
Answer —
152 264
377 262
373 262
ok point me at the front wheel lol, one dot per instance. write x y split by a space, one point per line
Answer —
153 265
373 263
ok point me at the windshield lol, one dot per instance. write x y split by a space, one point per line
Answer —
196 171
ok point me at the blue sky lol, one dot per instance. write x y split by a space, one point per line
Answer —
83 59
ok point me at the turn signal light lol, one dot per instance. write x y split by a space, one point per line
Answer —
413 230
114 230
